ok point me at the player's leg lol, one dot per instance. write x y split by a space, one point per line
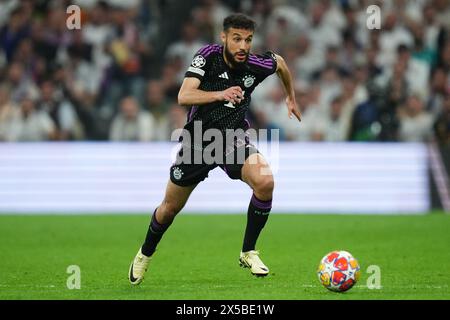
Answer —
257 174
174 200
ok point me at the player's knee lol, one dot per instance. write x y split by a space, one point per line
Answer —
265 185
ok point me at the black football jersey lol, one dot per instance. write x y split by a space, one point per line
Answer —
209 66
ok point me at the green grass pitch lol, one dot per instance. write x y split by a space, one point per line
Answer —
198 256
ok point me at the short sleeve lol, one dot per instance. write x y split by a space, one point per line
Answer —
264 64
200 62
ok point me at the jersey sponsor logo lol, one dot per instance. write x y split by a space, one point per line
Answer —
177 173
198 61
248 81
224 75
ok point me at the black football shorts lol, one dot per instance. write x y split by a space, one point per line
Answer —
191 173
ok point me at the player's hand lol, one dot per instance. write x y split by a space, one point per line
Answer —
293 109
232 94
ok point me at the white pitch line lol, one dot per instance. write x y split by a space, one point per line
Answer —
387 287
26 286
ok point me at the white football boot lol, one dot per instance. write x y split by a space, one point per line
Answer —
250 259
138 268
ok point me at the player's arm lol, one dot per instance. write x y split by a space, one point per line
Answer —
190 95
288 83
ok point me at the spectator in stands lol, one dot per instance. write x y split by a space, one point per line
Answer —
420 50
313 123
392 35
417 71
438 91
209 17
170 81
395 93
336 128
132 124
333 60
371 61
309 59
8 111
84 75
184 50
442 12
177 119
21 83
6 7
124 44
43 46
98 29
442 125
14 32
126 49
432 28
158 105
30 124
365 124
324 32
283 26
415 123
330 85
444 58
61 111
271 113
352 96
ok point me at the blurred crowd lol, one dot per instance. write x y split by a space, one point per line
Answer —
111 80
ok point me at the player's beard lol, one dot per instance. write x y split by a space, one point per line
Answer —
230 58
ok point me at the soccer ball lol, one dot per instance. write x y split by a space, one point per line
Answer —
338 271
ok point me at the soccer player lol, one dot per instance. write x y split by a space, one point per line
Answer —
217 87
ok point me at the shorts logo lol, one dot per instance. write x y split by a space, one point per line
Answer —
248 81
177 173
198 62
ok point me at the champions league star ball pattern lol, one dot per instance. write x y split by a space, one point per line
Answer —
338 271
198 61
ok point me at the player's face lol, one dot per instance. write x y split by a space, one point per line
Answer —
237 44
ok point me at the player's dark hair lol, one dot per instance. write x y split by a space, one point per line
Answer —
239 21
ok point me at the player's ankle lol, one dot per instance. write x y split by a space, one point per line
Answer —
148 252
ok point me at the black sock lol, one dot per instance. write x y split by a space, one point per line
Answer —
257 215
154 235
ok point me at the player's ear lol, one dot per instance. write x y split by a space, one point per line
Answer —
223 37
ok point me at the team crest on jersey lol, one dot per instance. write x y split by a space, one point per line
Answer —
177 173
248 81
198 61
